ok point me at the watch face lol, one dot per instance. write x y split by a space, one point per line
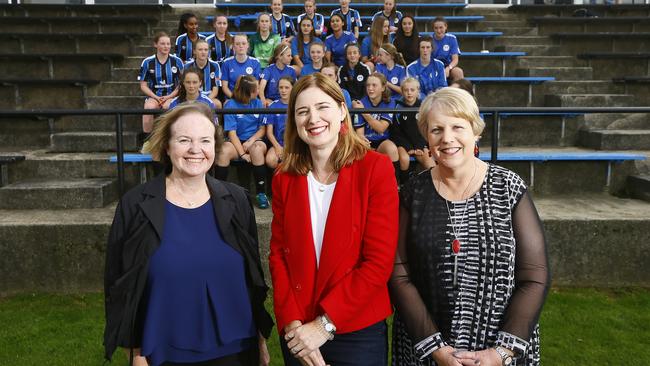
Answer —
507 361
329 327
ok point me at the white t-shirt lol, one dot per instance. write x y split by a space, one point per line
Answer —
319 206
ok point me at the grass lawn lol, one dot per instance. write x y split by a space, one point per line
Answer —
579 327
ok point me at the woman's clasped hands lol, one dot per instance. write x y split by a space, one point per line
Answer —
304 342
449 356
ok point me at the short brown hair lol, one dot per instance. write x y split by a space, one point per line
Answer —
350 146
158 142
245 86
455 102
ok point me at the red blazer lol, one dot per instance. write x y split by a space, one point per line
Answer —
358 251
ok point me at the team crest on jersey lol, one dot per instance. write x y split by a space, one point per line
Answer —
212 75
445 48
174 69
417 116
182 47
359 77
394 80
287 24
249 70
152 71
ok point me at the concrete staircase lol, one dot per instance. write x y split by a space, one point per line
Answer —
57 208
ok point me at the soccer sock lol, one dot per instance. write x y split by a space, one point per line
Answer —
259 173
403 176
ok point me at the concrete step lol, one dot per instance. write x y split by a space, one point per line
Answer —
602 121
126 74
58 194
24 132
131 62
589 100
114 88
522 40
500 24
42 165
42 96
582 87
114 102
91 141
532 50
95 124
561 73
639 186
615 139
544 61
515 31
145 50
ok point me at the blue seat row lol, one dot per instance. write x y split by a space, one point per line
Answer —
367 18
230 5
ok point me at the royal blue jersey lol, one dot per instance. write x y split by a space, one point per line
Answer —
272 75
318 21
245 125
305 48
308 69
211 75
277 120
366 46
394 76
162 79
337 46
201 99
445 48
352 18
232 69
283 26
393 19
431 77
219 50
185 47
371 134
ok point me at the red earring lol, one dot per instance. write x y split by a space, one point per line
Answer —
344 129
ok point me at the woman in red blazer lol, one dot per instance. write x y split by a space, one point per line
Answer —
334 234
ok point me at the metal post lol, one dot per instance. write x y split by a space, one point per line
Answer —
120 153
495 136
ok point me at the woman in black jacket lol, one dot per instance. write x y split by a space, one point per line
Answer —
183 281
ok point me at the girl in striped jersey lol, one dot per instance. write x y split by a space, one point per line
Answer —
210 72
391 13
221 41
159 76
188 34
351 17
281 23
318 20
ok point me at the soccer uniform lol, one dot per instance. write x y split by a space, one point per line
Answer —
263 49
272 75
283 26
445 48
431 77
305 48
245 125
308 69
337 46
201 99
373 136
404 130
354 80
393 19
185 47
232 69
211 75
394 76
352 18
162 79
318 21
277 120
219 50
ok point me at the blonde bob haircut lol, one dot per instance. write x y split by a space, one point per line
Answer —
350 146
453 102
158 142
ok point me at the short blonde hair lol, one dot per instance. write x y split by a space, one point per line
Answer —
350 146
158 142
453 102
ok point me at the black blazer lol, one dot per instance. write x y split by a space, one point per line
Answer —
135 235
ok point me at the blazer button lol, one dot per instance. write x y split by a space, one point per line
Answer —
298 287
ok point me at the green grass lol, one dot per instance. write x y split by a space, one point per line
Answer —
578 326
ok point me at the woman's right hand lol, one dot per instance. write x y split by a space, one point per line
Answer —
313 359
445 357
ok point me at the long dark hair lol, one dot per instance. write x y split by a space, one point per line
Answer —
329 23
301 37
181 23
402 40
182 93
228 36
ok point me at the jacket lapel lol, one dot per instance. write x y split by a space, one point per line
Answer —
154 208
297 227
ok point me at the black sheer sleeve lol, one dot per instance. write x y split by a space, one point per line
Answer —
532 276
407 300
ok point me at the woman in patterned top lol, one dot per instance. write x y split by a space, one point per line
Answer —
471 272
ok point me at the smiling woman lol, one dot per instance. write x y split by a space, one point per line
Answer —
162 298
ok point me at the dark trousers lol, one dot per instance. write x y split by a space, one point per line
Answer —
364 347
248 357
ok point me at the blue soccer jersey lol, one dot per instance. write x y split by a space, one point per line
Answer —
445 48
277 120
201 99
308 69
431 77
283 26
318 21
233 69
244 125
337 46
163 78
219 50
185 47
394 76
305 48
211 75
272 75
352 18
393 19
371 134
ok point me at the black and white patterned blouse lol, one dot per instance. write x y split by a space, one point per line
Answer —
502 274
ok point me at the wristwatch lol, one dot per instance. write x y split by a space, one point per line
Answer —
506 359
328 326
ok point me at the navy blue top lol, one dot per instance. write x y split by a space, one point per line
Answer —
197 304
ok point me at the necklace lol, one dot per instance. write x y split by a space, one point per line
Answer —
321 187
456 226
189 203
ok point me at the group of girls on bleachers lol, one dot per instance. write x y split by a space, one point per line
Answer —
237 71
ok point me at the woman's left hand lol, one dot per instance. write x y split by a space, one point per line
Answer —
486 357
265 358
305 339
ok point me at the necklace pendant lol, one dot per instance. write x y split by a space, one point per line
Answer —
321 188
455 246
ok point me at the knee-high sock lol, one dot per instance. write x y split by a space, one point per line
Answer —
259 174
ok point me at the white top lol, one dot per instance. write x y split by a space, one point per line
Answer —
320 197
